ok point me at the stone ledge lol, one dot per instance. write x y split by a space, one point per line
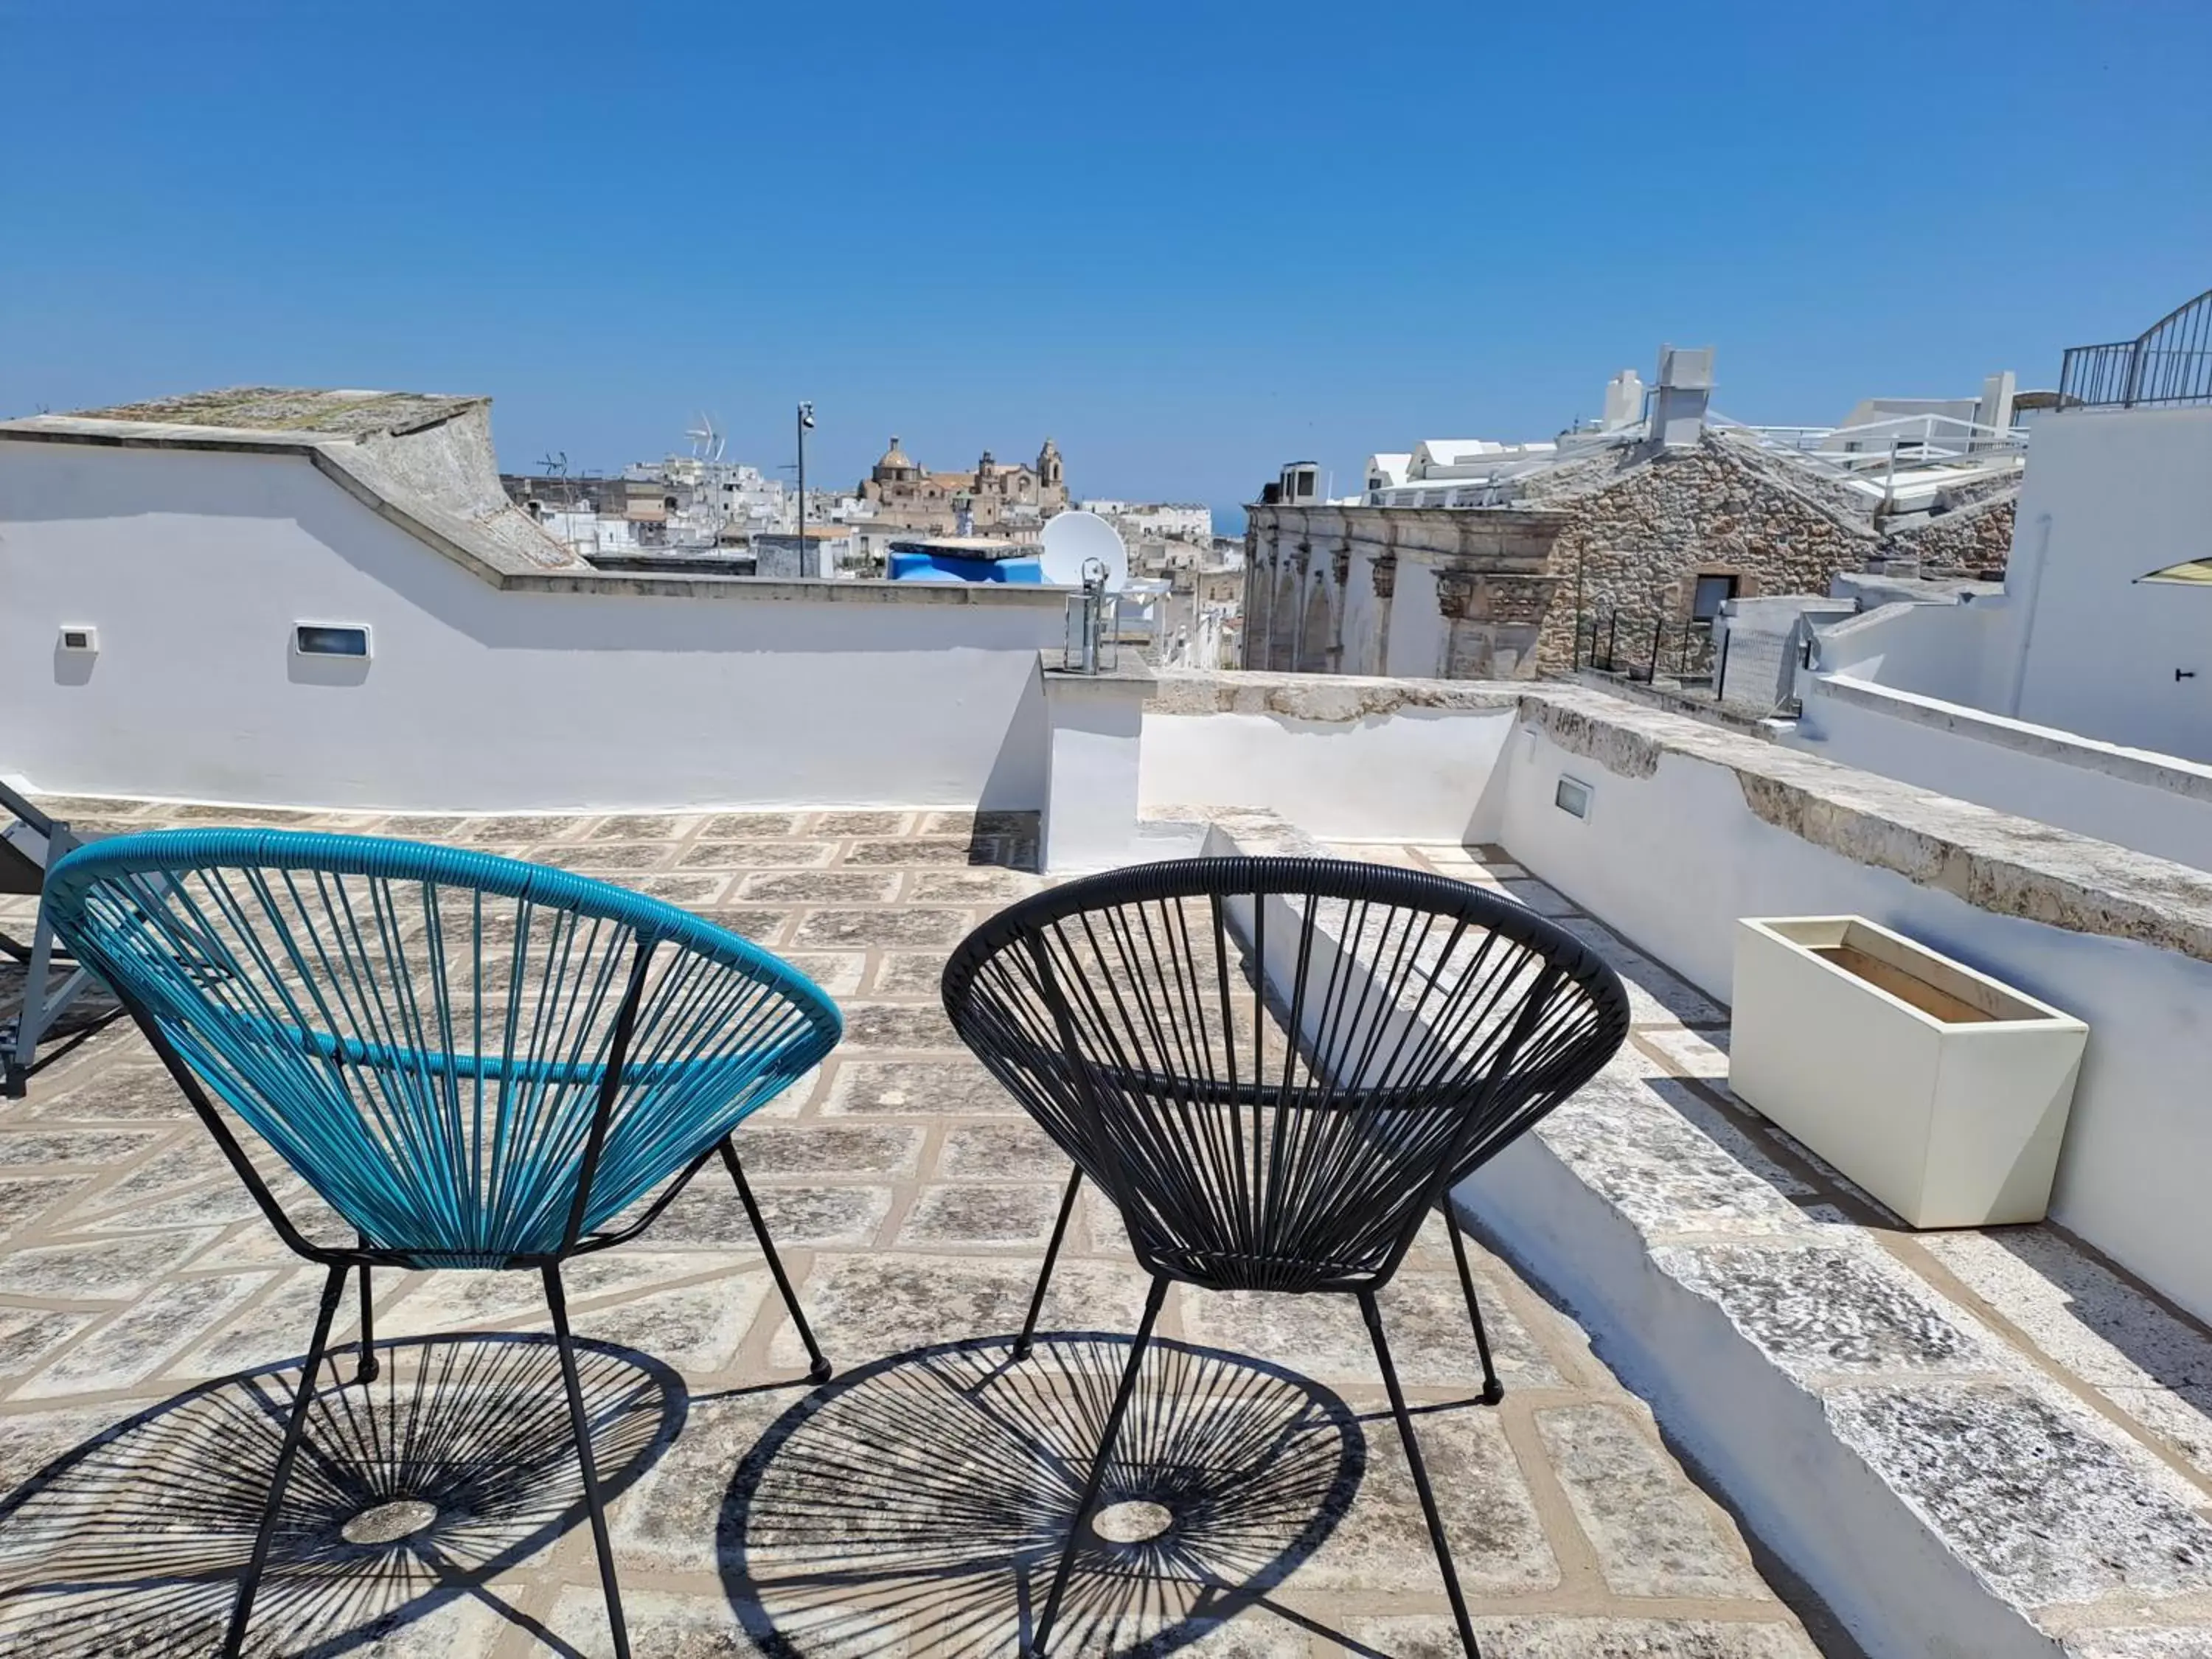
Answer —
1329 698
2006 866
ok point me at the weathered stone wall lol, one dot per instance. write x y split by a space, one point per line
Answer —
1966 542
1479 593
1637 541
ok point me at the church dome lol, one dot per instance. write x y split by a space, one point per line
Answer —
895 457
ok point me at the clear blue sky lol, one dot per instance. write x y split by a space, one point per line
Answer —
1189 240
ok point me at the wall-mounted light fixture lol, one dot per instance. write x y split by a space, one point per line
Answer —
331 640
1573 797
79 638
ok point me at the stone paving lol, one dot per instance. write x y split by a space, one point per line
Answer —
903 1510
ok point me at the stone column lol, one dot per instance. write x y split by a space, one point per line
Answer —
1340 570
1384 574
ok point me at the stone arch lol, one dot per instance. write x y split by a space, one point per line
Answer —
1318 631
1283 618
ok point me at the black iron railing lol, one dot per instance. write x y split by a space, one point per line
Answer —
2169 364
1638 646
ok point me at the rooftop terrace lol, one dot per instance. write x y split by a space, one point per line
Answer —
148 1321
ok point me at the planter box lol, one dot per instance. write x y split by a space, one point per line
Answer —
1942 1091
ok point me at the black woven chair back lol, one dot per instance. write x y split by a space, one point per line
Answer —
1275 1067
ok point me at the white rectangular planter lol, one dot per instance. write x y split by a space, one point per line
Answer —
1941 1090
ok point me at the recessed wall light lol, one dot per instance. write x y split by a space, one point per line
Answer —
1573 797
75 638
329 639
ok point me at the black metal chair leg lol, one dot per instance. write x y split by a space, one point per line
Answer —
581 1422
1022 1343
242 1609
821 1370
367 1370
1492 1390
1374 1317
1090 1501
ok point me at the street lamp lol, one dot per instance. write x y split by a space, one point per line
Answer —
805 425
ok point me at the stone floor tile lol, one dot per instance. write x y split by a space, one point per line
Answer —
667 1521
107 1270
25 1149
1381 1541
838 973
1424 1315
771 1151
697 1328
986 887
1656 997
914 852
909 973
698 892
1652 1535
792 854
274 1329
980 1214
124 1093
2042 1500
888 1303
762 926
745 826
821 886
598 858
1694 1053
137 1341
844 929
1543 900
929 1088
898 1026
522 829
29 1335
1576 1636
26 1200
860 822
1001 1151
642 826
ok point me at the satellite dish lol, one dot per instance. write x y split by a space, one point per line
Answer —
1071 540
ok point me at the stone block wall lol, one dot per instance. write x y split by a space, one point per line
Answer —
1498 592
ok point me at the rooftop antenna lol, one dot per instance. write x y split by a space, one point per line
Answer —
706 442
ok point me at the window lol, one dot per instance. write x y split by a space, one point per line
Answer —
329 639
1712 592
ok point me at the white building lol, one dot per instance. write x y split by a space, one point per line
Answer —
2081 691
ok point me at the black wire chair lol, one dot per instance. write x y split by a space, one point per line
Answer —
1276 1068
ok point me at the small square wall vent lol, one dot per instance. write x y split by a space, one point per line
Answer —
80 639
331 640
1573 797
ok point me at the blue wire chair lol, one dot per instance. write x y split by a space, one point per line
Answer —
474 1061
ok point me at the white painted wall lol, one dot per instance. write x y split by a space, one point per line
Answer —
2109 495
1672 860
194 566
1415 775
1962 653
2155 804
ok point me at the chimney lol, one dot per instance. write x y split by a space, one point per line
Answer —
1686 387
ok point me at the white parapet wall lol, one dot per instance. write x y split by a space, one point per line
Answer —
1342 756
2153 802
551 691
1687 828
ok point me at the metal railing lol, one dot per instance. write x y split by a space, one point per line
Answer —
1640 646
2168 364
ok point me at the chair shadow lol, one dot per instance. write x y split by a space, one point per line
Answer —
922 1503
134 1541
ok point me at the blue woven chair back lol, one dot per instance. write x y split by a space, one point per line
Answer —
422 1033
